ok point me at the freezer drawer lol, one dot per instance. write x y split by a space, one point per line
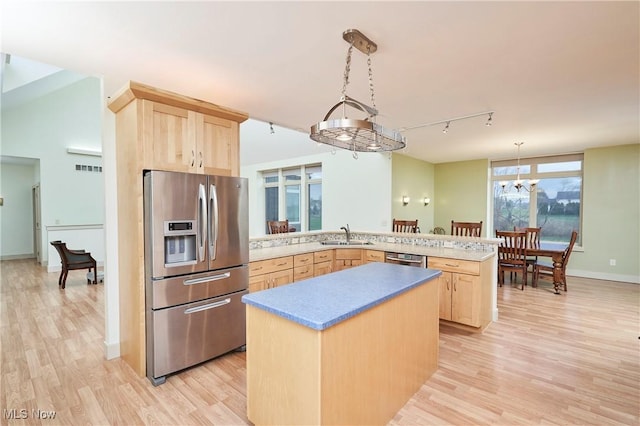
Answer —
191 288
186 335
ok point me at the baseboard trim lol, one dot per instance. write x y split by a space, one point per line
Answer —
604 276
112 350
17 256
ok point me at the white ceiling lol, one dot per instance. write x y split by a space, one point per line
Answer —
561 76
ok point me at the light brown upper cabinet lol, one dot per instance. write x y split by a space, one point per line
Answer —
178 133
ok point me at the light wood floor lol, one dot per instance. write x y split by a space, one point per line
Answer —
567 359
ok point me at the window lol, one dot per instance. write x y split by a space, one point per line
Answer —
270 197
314 205
295 194
556 203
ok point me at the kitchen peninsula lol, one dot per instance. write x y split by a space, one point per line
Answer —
349 347
469 264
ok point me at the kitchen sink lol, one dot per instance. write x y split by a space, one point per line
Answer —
344 243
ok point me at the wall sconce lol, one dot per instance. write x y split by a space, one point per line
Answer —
405 200
426 200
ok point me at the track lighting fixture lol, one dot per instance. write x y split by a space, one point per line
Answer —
405 200
489 120
448 121
271 128
357 135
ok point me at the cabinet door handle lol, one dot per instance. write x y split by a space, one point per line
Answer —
447 281
200 166
455 281
193 158
452 265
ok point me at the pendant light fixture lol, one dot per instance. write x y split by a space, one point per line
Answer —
519 184
363 135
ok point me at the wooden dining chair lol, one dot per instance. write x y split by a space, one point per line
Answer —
405 225
466 229
533 241
278 226
512 255
545 270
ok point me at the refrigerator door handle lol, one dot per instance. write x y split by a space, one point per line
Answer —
208 306
207 279
213 225
201 236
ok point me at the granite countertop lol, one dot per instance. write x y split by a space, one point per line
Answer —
326 300
293 249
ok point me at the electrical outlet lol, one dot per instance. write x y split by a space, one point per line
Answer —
612 262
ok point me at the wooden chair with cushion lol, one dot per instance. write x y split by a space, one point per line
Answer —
405 226
545 270
512 255
74 259
466 229
279 226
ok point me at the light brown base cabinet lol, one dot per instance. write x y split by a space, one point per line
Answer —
302 266
465 291
347 258
270 273
322 262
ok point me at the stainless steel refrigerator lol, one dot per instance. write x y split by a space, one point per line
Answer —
196 266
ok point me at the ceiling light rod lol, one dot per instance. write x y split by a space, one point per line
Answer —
449 120
363 135
359 41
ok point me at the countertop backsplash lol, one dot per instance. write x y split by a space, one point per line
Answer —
422 240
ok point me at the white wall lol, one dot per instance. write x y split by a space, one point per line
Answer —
356 192
16 215
43 129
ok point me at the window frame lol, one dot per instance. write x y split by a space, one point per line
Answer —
531 164
282 183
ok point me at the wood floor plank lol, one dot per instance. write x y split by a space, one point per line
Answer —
570 359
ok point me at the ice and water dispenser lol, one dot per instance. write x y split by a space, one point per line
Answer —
180 242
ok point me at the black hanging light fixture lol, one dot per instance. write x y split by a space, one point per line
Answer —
363 135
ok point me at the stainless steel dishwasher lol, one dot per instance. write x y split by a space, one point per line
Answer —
417 260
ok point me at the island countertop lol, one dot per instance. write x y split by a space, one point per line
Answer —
326 300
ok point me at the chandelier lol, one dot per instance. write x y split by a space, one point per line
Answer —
519 184
363 135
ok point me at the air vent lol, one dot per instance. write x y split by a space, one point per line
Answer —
88 168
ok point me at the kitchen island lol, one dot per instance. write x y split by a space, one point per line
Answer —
349 347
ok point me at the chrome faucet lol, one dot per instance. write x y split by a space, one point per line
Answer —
348 231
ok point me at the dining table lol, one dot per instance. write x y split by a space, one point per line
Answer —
555 252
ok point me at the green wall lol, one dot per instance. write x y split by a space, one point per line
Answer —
610 217
413 178
611 214
461 193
